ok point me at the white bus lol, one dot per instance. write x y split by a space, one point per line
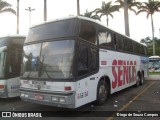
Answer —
11 48
73 61
154 63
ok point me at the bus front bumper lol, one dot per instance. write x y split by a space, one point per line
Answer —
57 99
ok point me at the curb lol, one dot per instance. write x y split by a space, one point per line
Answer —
153 77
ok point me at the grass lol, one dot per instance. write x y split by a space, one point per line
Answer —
154 73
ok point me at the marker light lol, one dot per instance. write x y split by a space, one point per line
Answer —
67 88
1 86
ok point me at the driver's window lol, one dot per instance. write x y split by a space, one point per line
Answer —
83 64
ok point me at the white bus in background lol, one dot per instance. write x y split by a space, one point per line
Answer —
154 63
11 48
74 61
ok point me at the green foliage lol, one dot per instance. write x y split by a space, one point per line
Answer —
154 73
149 42
107 9
6 7
89 15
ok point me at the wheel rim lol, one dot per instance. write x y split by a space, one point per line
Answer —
142 79
138 80
102 92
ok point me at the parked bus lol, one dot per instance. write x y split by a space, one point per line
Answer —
154 63
73 61
11 48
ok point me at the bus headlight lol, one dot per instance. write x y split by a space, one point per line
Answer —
22 95
55 99
58 99
62 100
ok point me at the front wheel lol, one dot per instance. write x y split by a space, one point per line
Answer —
102 92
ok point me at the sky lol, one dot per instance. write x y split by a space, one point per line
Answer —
140 26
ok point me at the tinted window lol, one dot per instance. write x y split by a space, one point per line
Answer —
119 42
56 60
57 29
128 45
88 32
87 59
145 50
83 60
93 59
2 61
105 38
14 60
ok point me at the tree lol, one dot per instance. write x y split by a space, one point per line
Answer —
45 10
17 16
128 4
107 9
150 8
89 15
78 8
6 7
148 41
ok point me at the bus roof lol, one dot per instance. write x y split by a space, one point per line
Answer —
83 18
154 57
16 35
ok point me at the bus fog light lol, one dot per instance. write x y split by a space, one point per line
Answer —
55 99
26 96
62 100
22 95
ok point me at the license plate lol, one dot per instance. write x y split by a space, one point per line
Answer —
38 83
39 97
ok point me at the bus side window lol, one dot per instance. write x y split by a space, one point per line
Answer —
105 39
88 32
93 59
128 45
119 42
83 64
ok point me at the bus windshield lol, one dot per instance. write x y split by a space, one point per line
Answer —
2 61
48 60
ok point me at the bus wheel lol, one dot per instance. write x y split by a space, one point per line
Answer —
102 92
142 79
138 80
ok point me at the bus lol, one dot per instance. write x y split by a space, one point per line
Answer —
11 48
73 61
154 63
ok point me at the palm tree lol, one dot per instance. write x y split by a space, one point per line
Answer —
78 8
128 4
89 15
17 16
150 8
6 7
107 9
45 10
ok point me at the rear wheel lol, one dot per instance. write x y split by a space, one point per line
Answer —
138 80
102 92
142 79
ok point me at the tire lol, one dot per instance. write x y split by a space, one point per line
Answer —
142 79
102 92
138 80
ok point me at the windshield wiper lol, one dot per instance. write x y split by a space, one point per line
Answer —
41 68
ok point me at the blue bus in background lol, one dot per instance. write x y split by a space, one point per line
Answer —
154 63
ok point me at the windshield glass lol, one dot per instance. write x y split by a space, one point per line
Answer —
55 61
31 60
2 61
